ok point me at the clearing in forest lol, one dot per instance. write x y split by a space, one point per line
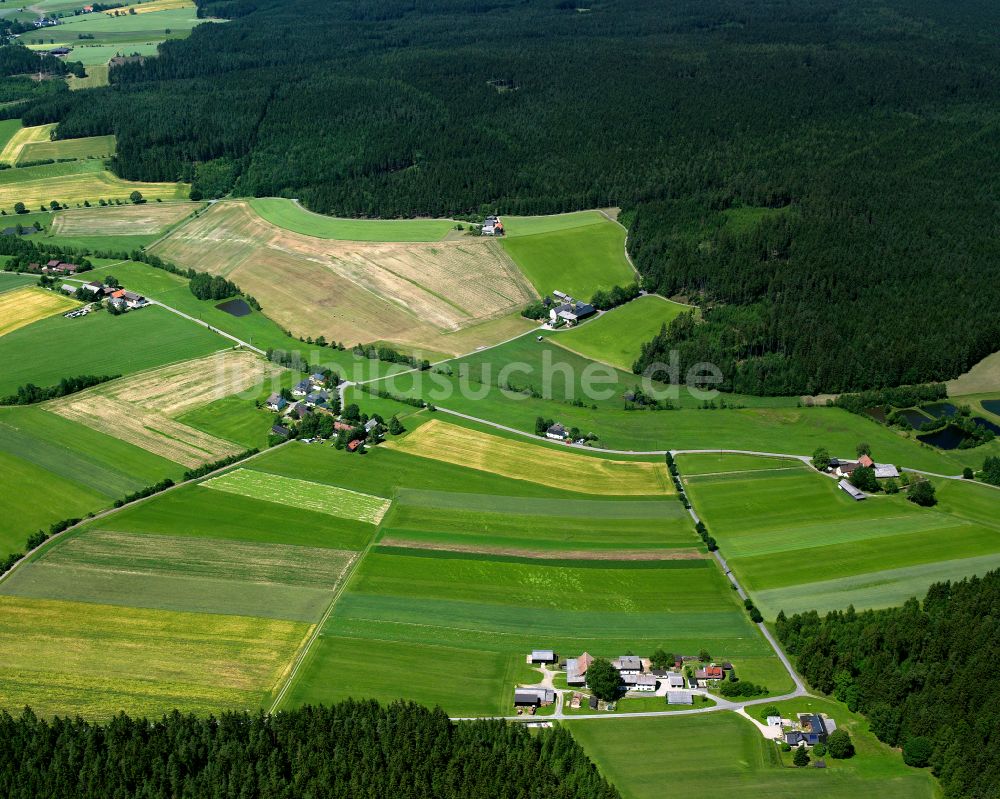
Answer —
123 220
23 306
142 409
11 152
88 147
526 461
290 215
303 494
416 294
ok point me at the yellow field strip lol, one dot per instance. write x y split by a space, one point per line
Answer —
12 150
21 307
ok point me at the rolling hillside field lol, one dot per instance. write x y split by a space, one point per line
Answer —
289 215
775 525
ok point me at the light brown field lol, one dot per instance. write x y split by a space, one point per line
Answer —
521 460
546 554
92 186
68 657
12 150
141 409
429 295
21 307
152 6
124 220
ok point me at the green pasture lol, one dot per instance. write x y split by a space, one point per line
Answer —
722 754
30 174
8 127
720 463
184 574
518 226
98 54
48 350
576 260
91 147
123 31
11 280
196 512
289 215
616 337
233 419
97 660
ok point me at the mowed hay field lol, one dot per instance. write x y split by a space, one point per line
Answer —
96 660
575 253
11 152
616 337
142 408
184 574
521 460
302 494
290 215
21 307
799 543
414 294
88 147
125 220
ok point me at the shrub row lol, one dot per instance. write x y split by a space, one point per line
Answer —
29 393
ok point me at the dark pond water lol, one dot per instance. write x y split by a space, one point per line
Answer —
987 424
915 418
947 438
878 414
993 406
939 409
235 307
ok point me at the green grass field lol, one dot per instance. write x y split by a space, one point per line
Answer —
184 574
577 254
97 660
616 337
48 350
10 281
96 147
97 55
340 502
292 216
775 526
8 127
233 419
721 754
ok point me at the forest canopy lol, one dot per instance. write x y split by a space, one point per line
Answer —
810 171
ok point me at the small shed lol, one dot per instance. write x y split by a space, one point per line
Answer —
852 491
543 656
679 698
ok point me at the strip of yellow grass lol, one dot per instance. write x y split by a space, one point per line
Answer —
65 657
141 409
92 186
23 306
12 150
524 461
152 6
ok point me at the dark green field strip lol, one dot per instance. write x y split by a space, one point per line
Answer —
383 472
197 512
74 453
461 680
554 507
502 628
168 591
534 584
600 559
777 570
10 281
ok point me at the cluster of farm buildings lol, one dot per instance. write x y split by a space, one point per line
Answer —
119 298
567 311
312 395
844 470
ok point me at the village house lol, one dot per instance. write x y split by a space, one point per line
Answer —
643 683
675 680
708 676
95 288
301 388
317 398
533 697
318 380
576 669
280 431
276 403
354 445
370 425
866 461
117 298
628 665
492 227
542 656
557 432
301 411
571 311
342 426
845 468
811 729
133 300
851 490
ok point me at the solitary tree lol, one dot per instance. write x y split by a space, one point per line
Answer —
395 426
864 449
703 656
839 745
603 679
922 493
111 282
821 459
801 757
20 209
917 752
136 197
967 473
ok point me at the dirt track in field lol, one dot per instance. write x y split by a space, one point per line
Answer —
547 554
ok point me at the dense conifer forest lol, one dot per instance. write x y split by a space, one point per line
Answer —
353 749
922 673
817 174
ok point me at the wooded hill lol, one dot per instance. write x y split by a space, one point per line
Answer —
868 128
353 749
922 673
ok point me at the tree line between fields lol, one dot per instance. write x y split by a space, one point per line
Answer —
352 749
924 675
874 262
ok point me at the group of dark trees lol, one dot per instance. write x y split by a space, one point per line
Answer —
922 674
352 749
811 173
29 393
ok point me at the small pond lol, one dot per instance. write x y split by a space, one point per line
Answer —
915 418
978 420
237 307
946 438
939 409
993 406
878 414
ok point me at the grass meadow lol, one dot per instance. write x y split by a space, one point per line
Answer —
574 253
725 755
289 215
18 137
97 660
89 147
616 337
48 350
776 525
11 280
